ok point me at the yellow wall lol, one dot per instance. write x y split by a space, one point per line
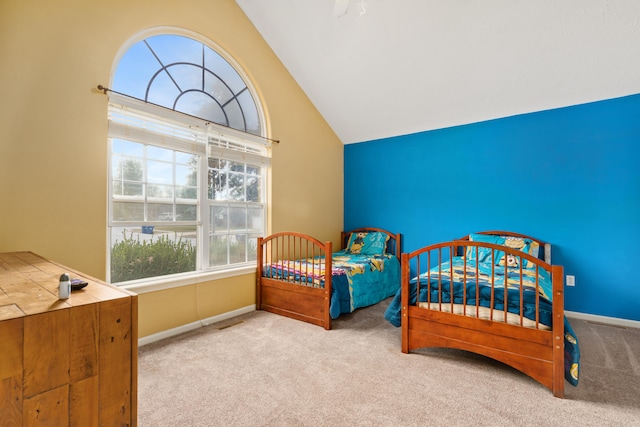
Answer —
53 137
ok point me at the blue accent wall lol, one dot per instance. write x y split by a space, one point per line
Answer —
569 176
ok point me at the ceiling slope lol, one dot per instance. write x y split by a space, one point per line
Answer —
388 68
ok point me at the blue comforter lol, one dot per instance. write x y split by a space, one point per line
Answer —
479 289
357 280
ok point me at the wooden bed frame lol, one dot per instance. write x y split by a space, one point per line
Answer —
296 299
536 352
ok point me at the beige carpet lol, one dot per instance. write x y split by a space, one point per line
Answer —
262 369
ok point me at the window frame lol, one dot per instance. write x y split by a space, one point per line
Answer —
203 272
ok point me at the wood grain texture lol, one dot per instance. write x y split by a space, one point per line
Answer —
47 409
46 351
11 368
83 406
83 326
66 362
115 362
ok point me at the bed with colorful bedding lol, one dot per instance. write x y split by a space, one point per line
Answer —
494 293
293 279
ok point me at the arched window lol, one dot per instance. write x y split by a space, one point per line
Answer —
188 162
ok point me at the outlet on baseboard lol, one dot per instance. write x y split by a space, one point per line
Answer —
571 280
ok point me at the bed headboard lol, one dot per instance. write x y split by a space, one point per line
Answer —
545 252
394 244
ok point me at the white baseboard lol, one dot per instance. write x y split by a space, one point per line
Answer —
615 321
195 325
225 316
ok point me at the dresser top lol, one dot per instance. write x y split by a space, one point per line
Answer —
29 285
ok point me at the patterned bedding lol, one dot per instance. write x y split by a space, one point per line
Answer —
479 289
357 280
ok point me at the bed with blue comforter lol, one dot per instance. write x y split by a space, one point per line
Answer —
357 280
491 294
293 279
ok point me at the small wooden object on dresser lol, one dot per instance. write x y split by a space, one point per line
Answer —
70 362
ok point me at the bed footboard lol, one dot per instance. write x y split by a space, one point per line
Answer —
285 286
444 308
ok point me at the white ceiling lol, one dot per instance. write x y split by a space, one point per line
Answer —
403 66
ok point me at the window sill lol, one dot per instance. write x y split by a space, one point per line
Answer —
160 284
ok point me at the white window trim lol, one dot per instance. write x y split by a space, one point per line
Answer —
154 284
191 142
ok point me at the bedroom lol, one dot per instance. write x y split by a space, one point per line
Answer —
53 158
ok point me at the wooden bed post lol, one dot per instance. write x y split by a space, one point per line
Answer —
259 272
405 301
328 264
398 247
557 274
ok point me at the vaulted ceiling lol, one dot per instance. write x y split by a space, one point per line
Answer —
394 67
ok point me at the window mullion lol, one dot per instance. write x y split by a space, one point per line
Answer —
204 214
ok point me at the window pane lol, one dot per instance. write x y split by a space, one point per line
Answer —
127 168
254 218
128 211
213 61
217 88
187 76
159 172
234 115
250 112
125 188
237 218
236 186
216 163
217 185
254 188
219 219
138 253
186 212
159 212
163 91
186 193
133 189
171 48
237 248
218 254
201 105
186 175
186 158
236 167
159 191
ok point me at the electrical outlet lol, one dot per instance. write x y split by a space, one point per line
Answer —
571 280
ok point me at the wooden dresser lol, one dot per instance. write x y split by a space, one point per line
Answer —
66 362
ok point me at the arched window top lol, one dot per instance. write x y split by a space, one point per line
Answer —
185 75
